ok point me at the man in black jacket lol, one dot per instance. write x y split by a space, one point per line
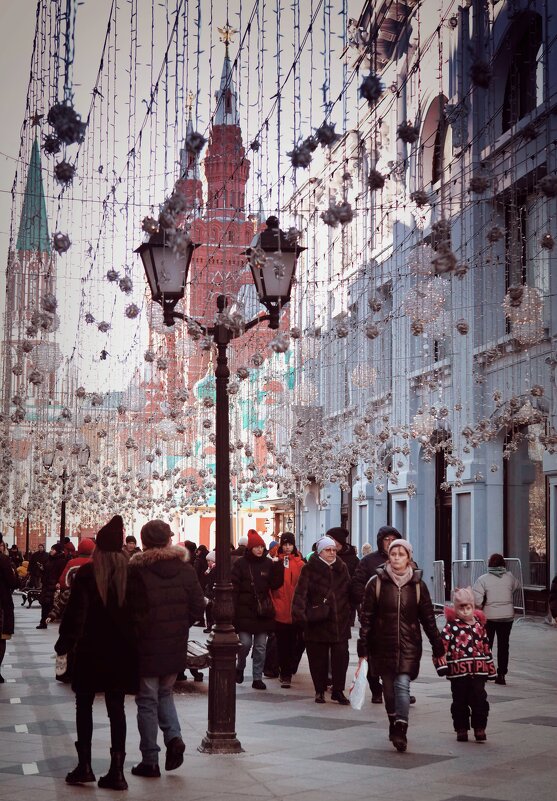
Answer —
367 568
174 600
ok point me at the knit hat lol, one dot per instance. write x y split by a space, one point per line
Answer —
211 557
243 540
463 595
254 539
86 547
404 544
325 542
156 534
338 534
287 538
111 536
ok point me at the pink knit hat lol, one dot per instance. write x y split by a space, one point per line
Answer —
463 595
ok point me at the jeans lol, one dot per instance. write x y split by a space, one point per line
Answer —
114 700
155 709
396 692
258 655
501 628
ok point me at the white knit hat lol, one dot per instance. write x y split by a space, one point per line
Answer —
211 556
325 542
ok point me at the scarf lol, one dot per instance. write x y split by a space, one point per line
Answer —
400 579
497 571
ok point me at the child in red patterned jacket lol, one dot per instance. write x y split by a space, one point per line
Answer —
469 665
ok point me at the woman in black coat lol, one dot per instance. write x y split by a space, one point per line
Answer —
98 625
396 601
254 575
322 592
8 583
53 568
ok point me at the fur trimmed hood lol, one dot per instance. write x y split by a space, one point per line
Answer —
451 616
152 556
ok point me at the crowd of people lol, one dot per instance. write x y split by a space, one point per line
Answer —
125 612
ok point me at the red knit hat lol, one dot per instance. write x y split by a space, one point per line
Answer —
254 539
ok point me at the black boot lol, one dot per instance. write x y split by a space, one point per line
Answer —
84 772
114 779
391 726
399 735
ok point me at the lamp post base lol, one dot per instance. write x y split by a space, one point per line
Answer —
214 743
221 736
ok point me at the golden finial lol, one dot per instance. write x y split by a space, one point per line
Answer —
227 33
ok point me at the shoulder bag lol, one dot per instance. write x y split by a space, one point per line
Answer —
264 606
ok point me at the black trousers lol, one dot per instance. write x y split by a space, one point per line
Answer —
374 682
501 628
290 648
469 703
319 654
114 701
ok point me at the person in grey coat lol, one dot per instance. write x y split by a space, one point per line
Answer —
174 601
493 592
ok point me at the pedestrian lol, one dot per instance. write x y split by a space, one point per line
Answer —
253 577
366 568
174 600
396 601
8 583
493 592
208 587
321 605
130 546
16 556
240 550
69 548
84 554
367 548
345 551
287 634
51 576
553 598
98 628
37 563
468 665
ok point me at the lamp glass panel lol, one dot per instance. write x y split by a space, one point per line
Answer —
277 273
171 269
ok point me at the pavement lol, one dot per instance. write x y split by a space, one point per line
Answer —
293 749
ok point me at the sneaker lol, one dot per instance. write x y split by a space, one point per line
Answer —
257 684
285 682
340 698
146 771
499 679
480 735
174 753
377 698
462 736
239 676
320 698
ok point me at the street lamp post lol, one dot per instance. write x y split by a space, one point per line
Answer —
272 260
64 478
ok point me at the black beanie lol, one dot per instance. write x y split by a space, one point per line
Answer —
339 534
287 537
111 537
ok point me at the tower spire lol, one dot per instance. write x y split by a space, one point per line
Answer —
33 225
226 97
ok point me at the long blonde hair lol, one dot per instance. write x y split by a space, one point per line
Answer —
111 572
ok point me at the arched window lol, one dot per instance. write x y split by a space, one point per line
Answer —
524 80
435 149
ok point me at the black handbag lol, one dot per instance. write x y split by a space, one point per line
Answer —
319 612
264 606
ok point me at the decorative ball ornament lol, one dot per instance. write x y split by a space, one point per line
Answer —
162 363
375 304
295 332
61 242
280 343
419 262
548 185
444 261
301 155
51 145
126 284
547 242
49 303
233 387
96 399
35 377
462 326
423 426
112 276
537 391
103 326
375 180
425 301
523 306
326 135
17 369
371 89
195 142
408 133
27 347
495 234
342 330
64 172
441 234
420 197
372 330
67 123
47 357
89 319
478 184
132 311
242 373
80 393
149 356
255 145
257 359
150 225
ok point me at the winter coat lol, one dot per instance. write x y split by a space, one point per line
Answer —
84 555
174 601
282 598
390 634
37 562
317 581
8 583
51 576
267 575
367 567
348 555
494 594
467 647
103 638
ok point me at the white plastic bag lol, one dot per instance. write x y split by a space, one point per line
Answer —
357 692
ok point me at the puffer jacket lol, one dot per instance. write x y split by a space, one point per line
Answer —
317 581
390 633
494 594
51 576
174 601
8 583
267 576
282 598
467 647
